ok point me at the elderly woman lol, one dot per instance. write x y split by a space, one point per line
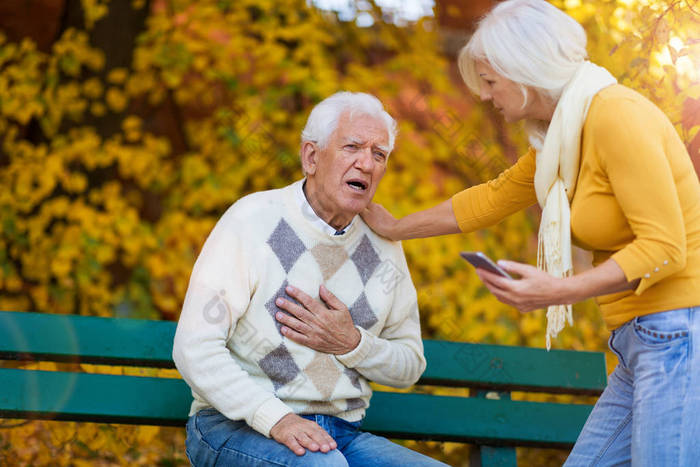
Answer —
611 175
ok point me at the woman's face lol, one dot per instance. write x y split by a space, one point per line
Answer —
507 97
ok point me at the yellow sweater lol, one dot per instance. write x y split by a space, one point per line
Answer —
637 200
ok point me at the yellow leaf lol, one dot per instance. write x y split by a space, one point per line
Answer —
147 433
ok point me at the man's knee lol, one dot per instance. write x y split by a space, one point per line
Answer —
369 449
332 458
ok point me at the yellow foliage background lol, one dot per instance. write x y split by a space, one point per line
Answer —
109 223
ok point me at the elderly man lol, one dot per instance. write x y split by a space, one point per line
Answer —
294 304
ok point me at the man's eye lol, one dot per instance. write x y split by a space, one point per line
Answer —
379 155
351 146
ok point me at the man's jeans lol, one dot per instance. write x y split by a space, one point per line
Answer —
649 415
213 439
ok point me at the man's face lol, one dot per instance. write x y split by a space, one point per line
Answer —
348 170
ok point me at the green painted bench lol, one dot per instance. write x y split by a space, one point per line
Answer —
489 420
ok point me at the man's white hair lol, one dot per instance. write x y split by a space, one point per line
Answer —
529 42
324 117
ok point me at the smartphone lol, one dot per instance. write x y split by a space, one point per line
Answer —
480 260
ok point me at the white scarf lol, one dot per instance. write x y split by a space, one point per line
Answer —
555 180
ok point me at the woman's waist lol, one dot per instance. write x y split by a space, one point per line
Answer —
677 291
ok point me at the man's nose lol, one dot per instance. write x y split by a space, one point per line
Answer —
485 96
364 160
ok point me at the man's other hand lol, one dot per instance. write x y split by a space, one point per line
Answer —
299 434
325 328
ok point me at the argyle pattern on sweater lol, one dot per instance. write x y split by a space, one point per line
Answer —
279 364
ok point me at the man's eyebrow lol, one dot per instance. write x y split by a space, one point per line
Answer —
382 147
361 142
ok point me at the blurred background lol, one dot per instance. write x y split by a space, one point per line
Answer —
127 127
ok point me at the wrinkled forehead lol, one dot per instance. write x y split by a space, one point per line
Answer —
361 128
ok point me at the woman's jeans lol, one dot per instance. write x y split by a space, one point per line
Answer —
649 415
213 439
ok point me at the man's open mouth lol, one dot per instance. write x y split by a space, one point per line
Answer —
357 185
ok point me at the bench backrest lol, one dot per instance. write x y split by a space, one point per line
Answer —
494 419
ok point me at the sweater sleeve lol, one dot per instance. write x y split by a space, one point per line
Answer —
395 356
488 203
218 295
630 141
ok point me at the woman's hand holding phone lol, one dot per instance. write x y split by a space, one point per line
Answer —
533 289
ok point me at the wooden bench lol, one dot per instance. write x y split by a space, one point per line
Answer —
489 419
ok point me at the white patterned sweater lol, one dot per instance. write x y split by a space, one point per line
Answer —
228 346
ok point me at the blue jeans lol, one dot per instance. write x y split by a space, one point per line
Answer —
649 414
214 440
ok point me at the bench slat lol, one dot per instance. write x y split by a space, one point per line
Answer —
88 339
491 422
513 368
59 395
164 401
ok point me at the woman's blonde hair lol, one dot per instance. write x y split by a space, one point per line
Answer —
529 42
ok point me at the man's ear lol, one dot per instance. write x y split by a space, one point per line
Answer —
309 157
